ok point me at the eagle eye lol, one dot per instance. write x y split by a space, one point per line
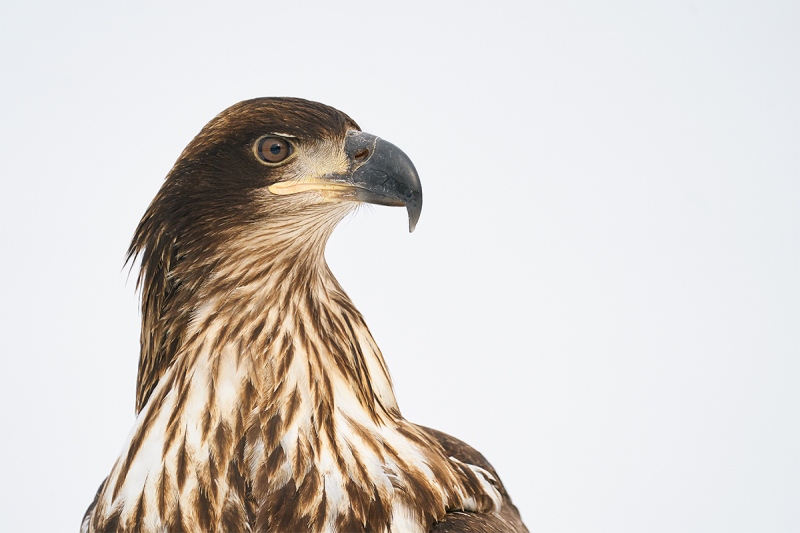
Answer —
273 149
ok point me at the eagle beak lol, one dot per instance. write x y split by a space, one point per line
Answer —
383 174
378 173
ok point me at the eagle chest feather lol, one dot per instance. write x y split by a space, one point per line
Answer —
265 404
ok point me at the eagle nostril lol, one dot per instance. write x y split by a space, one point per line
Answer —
361 155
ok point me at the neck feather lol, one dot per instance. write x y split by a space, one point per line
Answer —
276 392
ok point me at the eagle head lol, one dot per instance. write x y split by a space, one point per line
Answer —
285 159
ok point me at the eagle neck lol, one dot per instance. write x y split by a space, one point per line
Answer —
286 318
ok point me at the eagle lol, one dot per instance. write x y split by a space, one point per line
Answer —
263 403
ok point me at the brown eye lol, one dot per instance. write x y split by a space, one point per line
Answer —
273 149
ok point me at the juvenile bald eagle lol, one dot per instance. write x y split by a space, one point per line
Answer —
263 402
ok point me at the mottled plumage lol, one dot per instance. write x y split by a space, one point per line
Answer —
263 402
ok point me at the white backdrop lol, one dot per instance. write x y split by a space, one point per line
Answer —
602 294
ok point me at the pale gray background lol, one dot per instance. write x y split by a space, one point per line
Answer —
603 292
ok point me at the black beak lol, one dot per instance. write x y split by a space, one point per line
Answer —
384 174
